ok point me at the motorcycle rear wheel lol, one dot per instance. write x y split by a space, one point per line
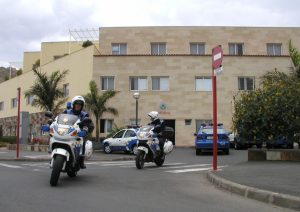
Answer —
57 167
139 159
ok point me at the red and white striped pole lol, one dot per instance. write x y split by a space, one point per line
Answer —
18 122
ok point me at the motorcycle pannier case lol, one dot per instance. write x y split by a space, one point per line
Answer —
168 132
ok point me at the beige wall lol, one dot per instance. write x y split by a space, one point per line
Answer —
51 49
79 64
29 59
178 39
182 101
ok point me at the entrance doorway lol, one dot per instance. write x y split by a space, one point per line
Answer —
171 123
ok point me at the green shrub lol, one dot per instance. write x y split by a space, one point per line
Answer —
8 139
87 43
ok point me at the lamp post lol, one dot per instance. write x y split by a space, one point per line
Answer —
136 96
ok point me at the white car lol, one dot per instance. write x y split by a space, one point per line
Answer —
124 140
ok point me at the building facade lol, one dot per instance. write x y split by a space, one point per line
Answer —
169 66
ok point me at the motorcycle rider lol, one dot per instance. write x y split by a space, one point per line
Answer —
159 126
76 109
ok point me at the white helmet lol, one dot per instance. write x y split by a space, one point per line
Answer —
79 100
153 115
168 147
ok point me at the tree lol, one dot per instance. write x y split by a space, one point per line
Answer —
271 111
36 64
87 43
48 96
295 57
19 72
96 103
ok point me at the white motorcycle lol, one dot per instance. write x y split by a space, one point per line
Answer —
148 146
66 144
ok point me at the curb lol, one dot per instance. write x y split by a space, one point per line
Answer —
278 199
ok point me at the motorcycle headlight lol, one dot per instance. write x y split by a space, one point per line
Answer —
62 131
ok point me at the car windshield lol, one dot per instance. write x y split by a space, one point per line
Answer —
67 119
210 131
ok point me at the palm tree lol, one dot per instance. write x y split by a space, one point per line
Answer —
48 96
96 103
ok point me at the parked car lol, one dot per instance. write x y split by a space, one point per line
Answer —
243 143
124 140
204 139
281 142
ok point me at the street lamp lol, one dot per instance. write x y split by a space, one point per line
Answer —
136 96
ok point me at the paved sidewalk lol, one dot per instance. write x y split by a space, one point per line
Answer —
275 182
10 155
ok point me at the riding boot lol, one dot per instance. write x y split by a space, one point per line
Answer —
81 162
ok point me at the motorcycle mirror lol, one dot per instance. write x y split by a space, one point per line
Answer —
48 114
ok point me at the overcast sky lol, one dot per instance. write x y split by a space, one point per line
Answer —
27 23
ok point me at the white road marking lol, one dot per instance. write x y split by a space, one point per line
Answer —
3 152
191 170
169 165
37 156
10 166
39 165
187 166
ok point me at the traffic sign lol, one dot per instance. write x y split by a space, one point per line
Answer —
217 57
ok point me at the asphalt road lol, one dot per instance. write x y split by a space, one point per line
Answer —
180 185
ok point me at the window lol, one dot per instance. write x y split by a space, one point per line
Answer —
107 83
197 48
202 121
66 90
29 100
203 84
119 134
129 133
14 102
119 48
188 121
106 125
246 83
158 48
236 48
1 106
138 83
274 49
160 83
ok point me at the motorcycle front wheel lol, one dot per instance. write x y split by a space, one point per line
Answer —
57 167
139 159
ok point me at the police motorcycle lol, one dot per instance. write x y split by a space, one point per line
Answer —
148 146
66 144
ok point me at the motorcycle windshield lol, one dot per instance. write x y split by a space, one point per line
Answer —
67 119
145 129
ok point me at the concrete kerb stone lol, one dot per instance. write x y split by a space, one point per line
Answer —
282 200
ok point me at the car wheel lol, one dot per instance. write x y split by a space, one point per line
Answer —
135 149
198 151
107 149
